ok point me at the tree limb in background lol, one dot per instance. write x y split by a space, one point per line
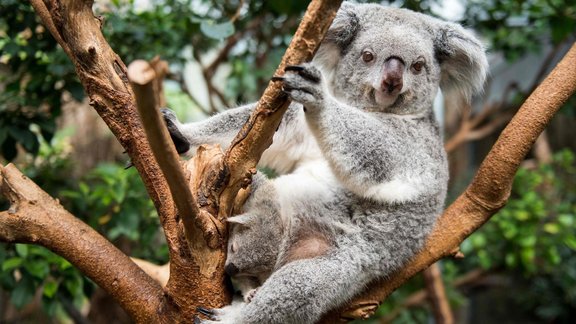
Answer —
437 295
489 190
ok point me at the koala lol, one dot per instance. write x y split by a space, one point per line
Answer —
360 153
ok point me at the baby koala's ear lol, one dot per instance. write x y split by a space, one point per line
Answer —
462 59
243 219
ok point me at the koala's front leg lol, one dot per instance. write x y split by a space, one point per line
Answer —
304 84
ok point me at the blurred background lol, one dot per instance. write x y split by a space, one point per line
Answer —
519 268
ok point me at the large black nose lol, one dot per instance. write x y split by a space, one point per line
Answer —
392 75
231 269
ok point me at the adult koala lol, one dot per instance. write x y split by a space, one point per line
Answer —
365 173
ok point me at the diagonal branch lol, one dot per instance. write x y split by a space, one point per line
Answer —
35 217
256 135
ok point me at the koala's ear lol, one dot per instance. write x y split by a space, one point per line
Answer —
243 219
341 33
462 60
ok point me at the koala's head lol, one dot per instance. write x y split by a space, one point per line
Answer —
253 244
394 60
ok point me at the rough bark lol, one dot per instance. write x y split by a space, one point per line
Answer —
35 217
256 135
196 277
489 190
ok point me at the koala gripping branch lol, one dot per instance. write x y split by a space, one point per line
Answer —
488 192
256 135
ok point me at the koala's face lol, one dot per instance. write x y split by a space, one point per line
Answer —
252 246
393 60
388 68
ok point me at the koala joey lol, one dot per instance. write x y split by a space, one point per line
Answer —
361 158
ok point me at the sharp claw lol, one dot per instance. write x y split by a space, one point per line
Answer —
277 78
296 68
206 312
128 165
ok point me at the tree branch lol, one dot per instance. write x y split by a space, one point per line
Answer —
35 217
490 189
256 135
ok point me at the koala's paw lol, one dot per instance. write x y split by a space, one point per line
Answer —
303 83
250 295
226 315
180 142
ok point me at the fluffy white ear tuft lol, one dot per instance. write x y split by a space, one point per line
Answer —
340 34
462 59
243 219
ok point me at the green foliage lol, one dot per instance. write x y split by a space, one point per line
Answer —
516 27
110 199
34 73
533 238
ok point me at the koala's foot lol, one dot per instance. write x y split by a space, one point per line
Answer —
226 315
303 83
250 295
180 142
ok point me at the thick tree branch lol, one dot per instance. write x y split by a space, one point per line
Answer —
35 217
103 75
105 81
490 189
256 135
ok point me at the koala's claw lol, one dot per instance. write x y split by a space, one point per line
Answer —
180 142
296 68
306 71
207 312
277 78
303 83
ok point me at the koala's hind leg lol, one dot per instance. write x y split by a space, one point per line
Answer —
303 290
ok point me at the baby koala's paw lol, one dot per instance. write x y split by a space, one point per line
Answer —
304 84
226 315
250 295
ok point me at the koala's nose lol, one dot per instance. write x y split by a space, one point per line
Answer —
392 75
231 269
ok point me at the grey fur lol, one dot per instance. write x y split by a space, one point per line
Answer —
364 170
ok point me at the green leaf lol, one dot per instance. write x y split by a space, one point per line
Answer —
50 288
570 241
552 228
22 250
23 293
215 30
11 263
37 268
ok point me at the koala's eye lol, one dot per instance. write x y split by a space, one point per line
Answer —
367 56
233 247
417 67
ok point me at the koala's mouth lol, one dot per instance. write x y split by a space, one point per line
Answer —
383 101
